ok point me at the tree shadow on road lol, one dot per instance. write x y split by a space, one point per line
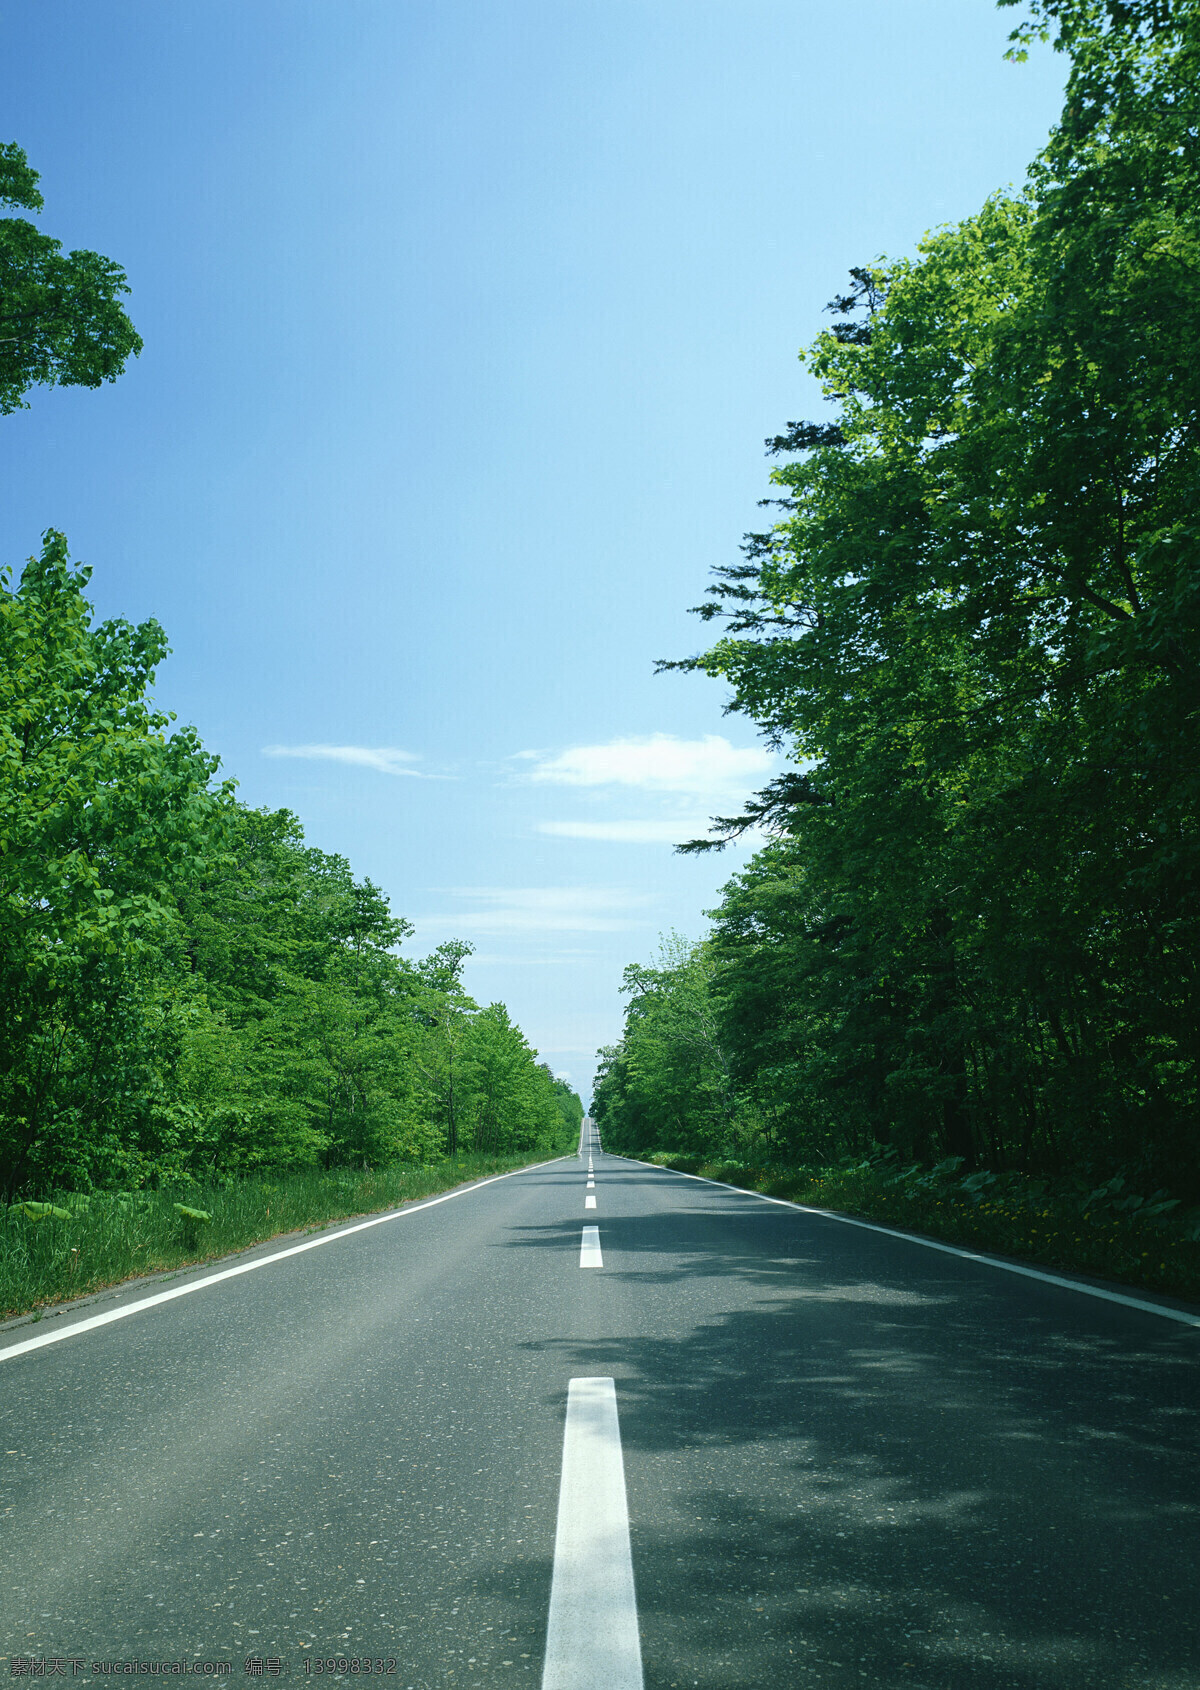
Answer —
851 1460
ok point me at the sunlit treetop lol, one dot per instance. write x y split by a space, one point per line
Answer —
61 320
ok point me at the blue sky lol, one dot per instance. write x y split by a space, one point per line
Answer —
464 327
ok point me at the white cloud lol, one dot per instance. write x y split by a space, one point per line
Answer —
679 783
386 759
544 909
656 763
663 831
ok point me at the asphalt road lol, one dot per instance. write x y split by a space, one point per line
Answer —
849 1460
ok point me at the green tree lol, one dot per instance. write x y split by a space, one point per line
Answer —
104 815
190 987
510 1102
666 1086
445 1012
296 961
568 1102
61 320
976 628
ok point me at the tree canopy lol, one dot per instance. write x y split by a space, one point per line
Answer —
976 631
190 988
61 319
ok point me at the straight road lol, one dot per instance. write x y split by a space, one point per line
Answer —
847 1459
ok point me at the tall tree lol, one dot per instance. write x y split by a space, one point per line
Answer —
104 816
976 628
667 1085
189 987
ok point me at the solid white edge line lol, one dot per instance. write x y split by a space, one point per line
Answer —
1180 1315
589 1248
592 1638
106 1319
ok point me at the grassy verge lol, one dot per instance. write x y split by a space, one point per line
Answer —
71 1245
1108 1232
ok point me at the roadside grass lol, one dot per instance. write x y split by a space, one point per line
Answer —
1106 1231
71 1244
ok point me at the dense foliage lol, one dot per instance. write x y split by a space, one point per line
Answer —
666 1085
61 319
976 631
189 989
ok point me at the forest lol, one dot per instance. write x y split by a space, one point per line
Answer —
192 992
970 933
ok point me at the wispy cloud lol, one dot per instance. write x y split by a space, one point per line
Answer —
656 762
385 759
663 831
679 784
543 909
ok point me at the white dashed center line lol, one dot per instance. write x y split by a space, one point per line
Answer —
589 1249
589 1202
592 1636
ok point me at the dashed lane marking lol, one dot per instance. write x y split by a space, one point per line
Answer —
592 1635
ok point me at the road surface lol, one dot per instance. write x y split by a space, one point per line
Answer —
828 1458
